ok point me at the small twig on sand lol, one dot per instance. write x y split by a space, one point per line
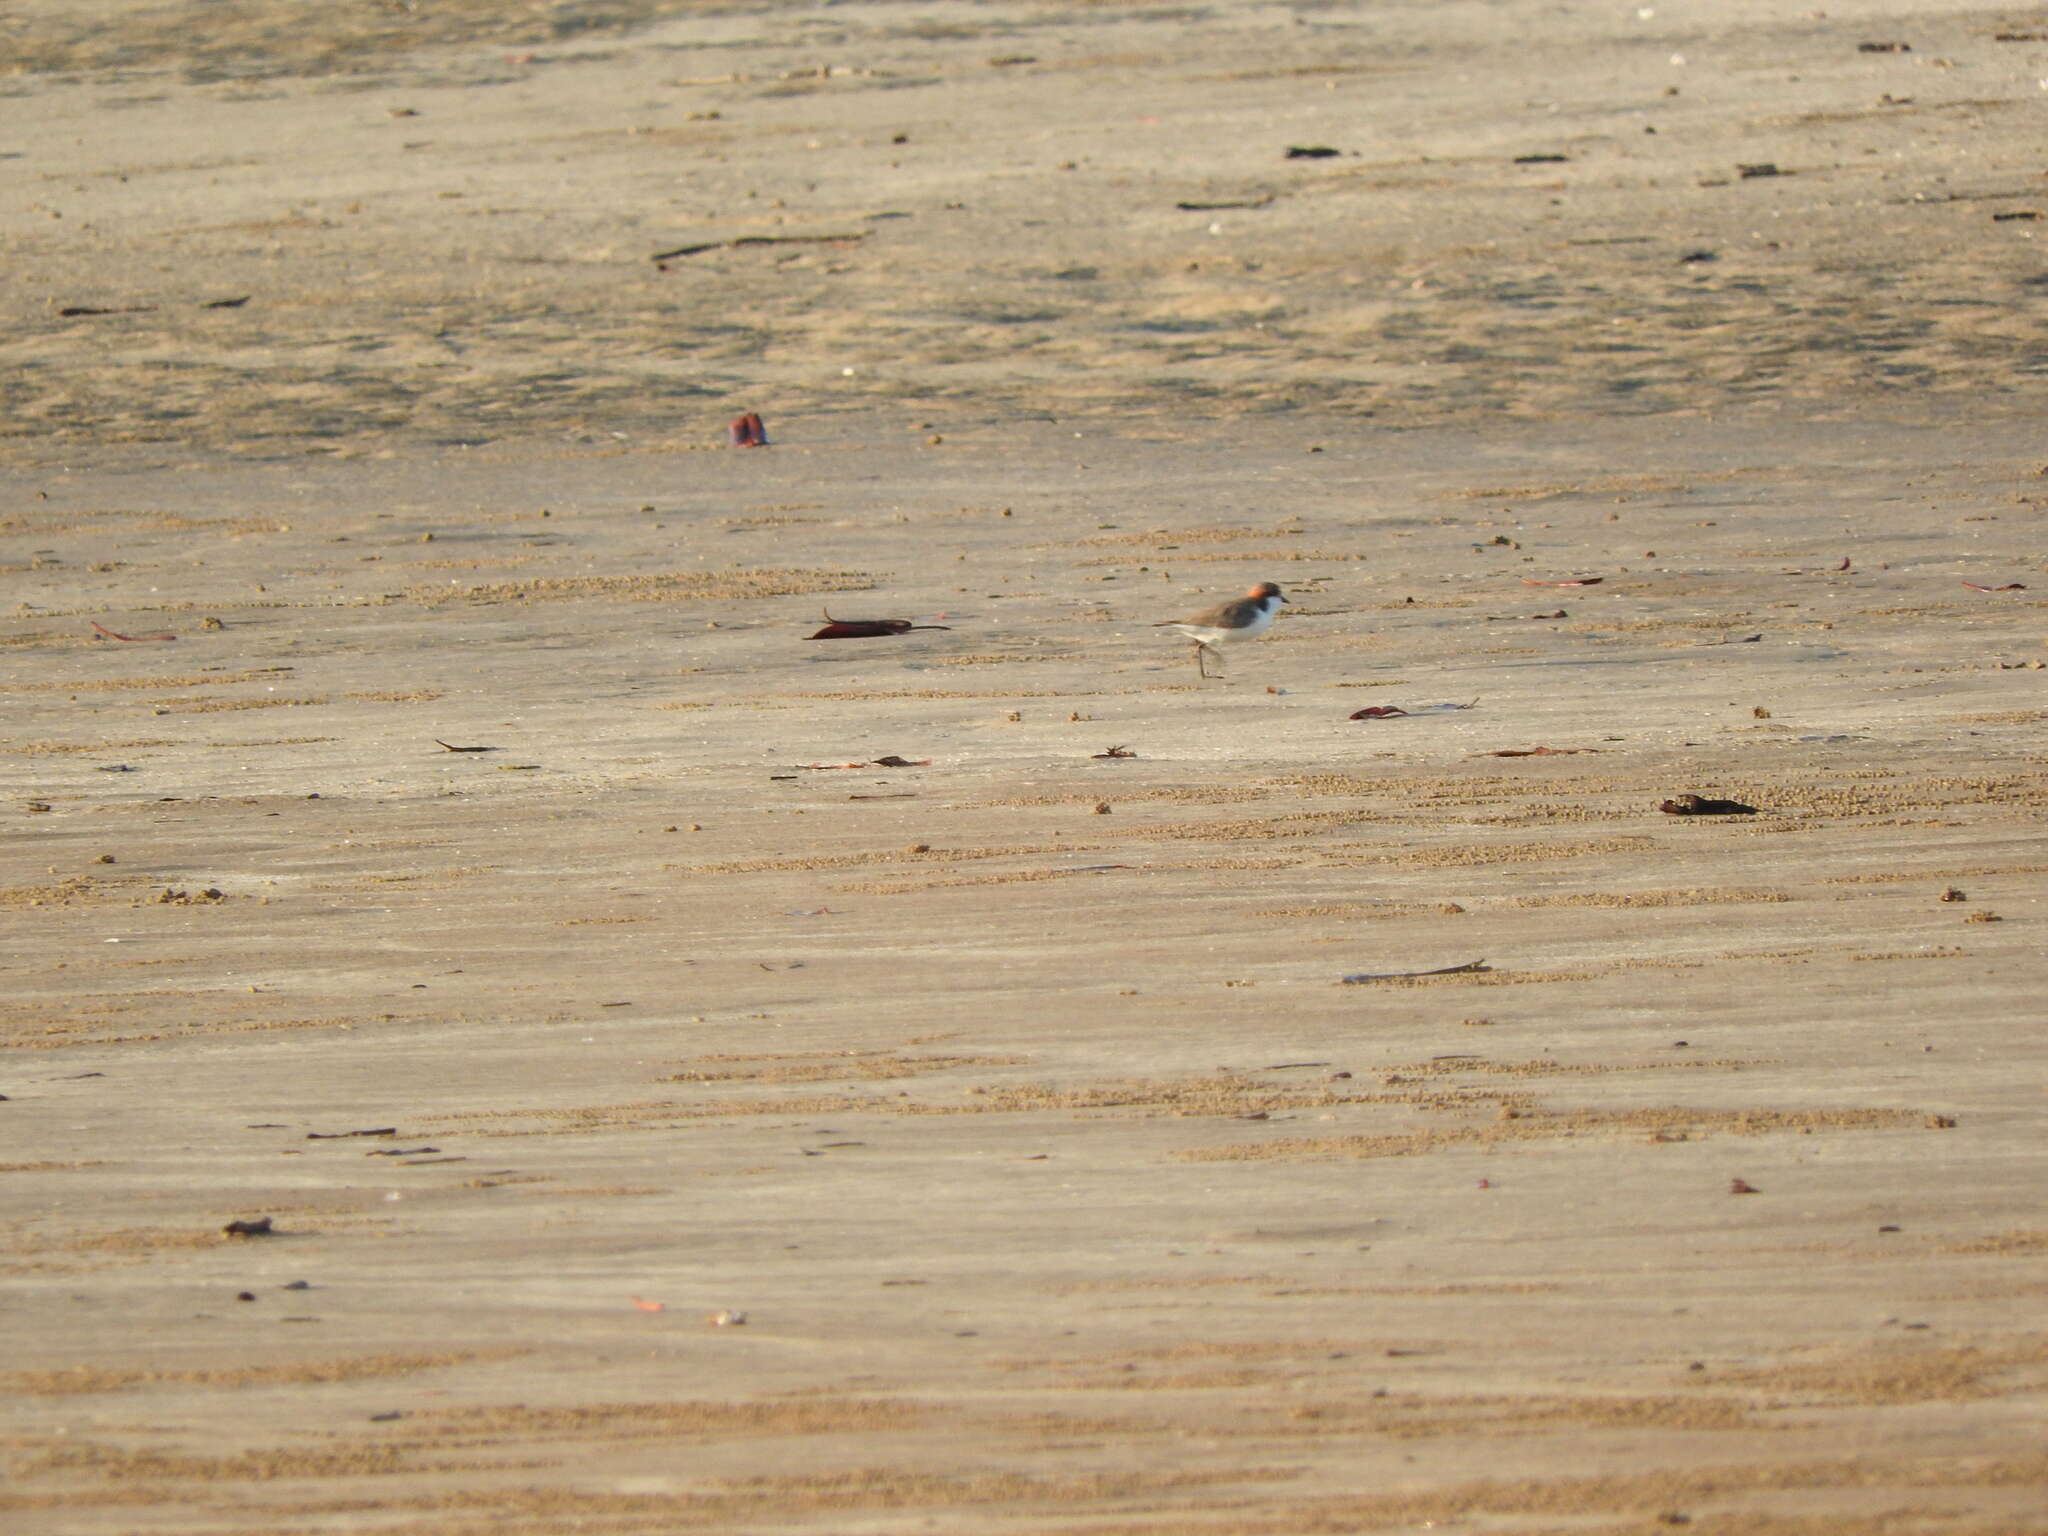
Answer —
715 245
1444 970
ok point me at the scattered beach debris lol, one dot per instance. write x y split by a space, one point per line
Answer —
1758 168
1884 47
648 1306
726 1317
868 629
444 746
747 431
70 311
1115 752
1471 966
1950 893
1311 152
259 1227
1510 618
1704 805
1579 581
1534 752
382 1130
1545 159
234 303
1742 1187
2010 586
169 897
132 639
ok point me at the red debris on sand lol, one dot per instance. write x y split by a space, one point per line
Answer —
1377 712
862 629
747 432
96 624
2010 586
868 629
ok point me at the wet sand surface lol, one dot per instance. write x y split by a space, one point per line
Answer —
434 834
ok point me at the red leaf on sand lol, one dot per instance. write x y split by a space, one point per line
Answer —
891 761
111 635
1378 712
861 629
868 629
747 432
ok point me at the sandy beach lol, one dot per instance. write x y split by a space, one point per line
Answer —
507 1033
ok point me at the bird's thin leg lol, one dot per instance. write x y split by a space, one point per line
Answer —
1202 659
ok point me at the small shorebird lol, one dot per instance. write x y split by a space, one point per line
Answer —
1246 619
